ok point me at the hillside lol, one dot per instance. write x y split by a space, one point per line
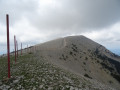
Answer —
69 63
33 72
82 56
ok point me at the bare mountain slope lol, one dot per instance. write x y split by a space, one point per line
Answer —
83 56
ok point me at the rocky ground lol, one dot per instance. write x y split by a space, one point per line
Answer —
33 72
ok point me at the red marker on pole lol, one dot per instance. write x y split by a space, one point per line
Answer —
8 47
15 47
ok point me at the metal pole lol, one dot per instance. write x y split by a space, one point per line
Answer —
27 48
21 48
8 47
15 46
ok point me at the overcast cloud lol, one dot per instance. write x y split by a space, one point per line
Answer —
37 21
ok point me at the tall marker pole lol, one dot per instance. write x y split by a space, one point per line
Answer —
21 48
8 47
15 47
27 48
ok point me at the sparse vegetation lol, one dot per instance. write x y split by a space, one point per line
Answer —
75 58
71 53
106 63
30 52
86 58
110 82
116 76
84 52
86 75
84 63
74 48
63 57
74 54
60 58
98 61
89 50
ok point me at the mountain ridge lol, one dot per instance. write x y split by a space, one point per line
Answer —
83 56
73 62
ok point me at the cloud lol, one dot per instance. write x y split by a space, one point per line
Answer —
17 9
108 37
63 15
78 15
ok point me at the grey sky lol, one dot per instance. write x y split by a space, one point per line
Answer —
36 21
